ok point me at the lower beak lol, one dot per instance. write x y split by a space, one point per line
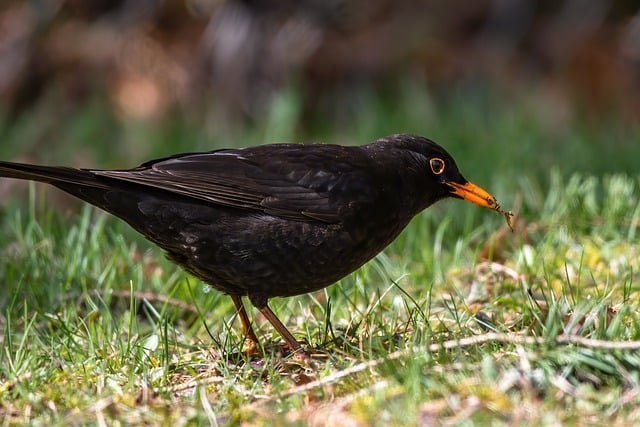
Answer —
474 194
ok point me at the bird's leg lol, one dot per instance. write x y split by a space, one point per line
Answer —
282 330
261 304
251 342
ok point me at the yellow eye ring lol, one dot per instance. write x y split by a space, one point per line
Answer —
437 165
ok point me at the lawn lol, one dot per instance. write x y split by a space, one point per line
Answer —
458 322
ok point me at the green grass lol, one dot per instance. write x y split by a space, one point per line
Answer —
96 326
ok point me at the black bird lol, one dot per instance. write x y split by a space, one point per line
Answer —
272 220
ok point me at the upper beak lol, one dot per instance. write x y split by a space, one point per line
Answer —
473 194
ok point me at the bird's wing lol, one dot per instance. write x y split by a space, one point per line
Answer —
290 181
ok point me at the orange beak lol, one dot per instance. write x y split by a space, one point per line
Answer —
474 194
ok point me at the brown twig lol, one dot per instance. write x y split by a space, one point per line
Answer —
467 342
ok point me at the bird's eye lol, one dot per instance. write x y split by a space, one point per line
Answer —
437 165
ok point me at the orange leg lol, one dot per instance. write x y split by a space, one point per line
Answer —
251 340
282 330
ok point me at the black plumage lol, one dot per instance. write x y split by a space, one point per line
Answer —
272 220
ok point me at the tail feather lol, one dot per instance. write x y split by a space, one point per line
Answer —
49 174
119 200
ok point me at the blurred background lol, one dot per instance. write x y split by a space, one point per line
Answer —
537 100
506 85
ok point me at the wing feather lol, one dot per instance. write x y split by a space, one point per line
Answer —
285 180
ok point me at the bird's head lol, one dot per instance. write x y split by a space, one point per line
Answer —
442 175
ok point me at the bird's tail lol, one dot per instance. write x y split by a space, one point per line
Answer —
111 195
81 183
49 174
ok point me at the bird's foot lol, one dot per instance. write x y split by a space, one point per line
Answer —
250 347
